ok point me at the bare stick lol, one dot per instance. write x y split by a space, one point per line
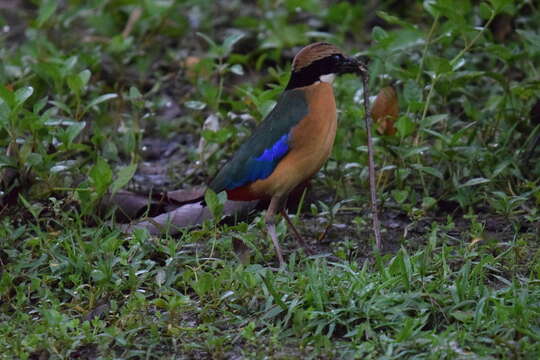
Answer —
371 162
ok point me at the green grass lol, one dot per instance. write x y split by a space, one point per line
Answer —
163 296
83 85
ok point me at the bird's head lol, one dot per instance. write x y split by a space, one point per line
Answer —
321 62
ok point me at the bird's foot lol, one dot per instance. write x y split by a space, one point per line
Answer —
272 232
299 239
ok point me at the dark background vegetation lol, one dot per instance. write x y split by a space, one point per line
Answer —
100 95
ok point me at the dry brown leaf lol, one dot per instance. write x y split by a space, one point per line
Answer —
190 63
184 196
385 111
188 215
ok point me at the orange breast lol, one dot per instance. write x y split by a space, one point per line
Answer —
311 144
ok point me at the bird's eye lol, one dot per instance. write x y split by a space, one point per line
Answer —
336 58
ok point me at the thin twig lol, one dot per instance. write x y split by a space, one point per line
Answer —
134 16
371 164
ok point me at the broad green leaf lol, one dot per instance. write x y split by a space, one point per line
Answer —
119 44
400 195
40 104
101 176
458 64
61 106
443 137
62 166
237 69
208 39
34 208
431 120
530 36
272 312
100 99
219 136
416 151
215 50
463 316
34 159
46 9
452 9
229 42
22 94
75 129
405 126
215 203
98 275
475 181
485 11
77 83
412 91
431 9
158 8
503 6
125 175
500 167
160 277
69 64
136 97
84 76
203 283
7 161
195 105
428 202
7 97
379 34
429 170
438 65
134 93
7 101
391 19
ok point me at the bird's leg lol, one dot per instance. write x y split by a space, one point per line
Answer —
269 219
297 235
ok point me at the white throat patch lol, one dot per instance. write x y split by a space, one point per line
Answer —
327 78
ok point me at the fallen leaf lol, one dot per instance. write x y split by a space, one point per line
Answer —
188 215
184 196
190 65
385 111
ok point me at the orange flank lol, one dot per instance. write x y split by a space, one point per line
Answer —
310 146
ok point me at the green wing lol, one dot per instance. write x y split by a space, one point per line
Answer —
269 143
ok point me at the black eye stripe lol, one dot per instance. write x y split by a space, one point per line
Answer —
312 72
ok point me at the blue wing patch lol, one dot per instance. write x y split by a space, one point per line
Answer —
259 155
277 150
262 166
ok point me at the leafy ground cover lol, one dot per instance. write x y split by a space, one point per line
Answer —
99 95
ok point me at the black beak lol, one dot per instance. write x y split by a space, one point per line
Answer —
352 65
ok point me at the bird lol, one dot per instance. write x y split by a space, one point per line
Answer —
293 141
